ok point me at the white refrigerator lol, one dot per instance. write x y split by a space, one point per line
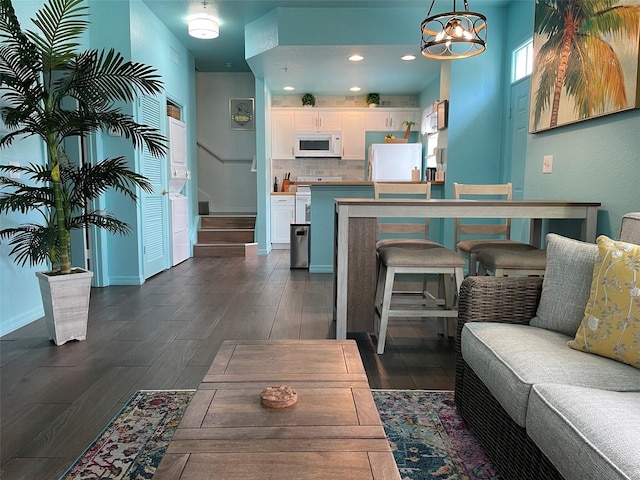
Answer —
394 161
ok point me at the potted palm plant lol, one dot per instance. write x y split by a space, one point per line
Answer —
52 91
408 124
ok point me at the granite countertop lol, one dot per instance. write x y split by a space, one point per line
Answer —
339 184
352 183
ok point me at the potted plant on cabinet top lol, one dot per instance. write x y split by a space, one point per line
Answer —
51 91
308 100
408 124
373 100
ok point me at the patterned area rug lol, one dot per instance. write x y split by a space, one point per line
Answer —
132 445
428 438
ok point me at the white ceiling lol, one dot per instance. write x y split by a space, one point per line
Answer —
324 70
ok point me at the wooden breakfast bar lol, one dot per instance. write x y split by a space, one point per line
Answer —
356 227
333 431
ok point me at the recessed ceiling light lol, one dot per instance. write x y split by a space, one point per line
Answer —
355 89
356 58
408 57
288 88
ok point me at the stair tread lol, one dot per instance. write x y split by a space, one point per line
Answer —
233 229
222 244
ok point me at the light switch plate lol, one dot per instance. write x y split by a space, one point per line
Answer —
547 164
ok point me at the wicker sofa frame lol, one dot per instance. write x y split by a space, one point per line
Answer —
506 300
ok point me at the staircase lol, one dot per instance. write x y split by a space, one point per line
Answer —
226 235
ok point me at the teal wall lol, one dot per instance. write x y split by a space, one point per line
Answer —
387 26
322 221
596 160
263 174
20 301
116 257
475 90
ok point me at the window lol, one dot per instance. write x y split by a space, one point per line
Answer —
522 61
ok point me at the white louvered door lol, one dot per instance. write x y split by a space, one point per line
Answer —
155 205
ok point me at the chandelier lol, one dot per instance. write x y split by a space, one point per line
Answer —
452 35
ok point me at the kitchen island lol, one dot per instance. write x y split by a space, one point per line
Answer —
322 238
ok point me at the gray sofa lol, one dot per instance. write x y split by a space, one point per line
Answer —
539 408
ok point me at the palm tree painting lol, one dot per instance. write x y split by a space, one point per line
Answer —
586 60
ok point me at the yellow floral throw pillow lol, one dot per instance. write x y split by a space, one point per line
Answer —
611 323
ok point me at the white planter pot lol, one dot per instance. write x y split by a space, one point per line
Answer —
373 105
65 299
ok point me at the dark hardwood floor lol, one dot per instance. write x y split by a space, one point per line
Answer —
164 335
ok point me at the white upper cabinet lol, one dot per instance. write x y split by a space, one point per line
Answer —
390 120
353 135
283 134
353 123
313 119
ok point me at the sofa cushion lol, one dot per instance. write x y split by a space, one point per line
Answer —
566 284
611 323
509 359
586 433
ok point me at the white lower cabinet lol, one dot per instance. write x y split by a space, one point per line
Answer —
282 215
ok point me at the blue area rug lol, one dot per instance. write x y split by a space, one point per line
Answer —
132 445
428 438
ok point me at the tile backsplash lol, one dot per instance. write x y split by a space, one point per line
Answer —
354 101
349 170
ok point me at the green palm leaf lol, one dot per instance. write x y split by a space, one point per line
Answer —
100 219
40 72
31 243
91 181
61 23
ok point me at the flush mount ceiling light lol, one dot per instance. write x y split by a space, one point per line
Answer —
288 88
355 89
356 58
203 26
408 58
452 35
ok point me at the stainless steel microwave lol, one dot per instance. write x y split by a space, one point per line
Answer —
318 144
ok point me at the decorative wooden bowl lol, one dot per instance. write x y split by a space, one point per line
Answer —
396 140
281 396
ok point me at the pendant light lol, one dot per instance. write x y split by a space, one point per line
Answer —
452 35
203 26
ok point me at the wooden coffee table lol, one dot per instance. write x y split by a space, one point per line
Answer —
332 432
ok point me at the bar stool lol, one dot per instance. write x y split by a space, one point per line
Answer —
403 190
416 260
404 234
504 262
500 231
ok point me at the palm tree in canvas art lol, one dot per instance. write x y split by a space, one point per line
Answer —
586 59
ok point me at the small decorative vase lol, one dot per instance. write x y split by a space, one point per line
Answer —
373 105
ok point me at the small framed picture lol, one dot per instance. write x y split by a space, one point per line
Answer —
241 114
443 114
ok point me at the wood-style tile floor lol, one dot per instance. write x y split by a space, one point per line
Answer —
163 335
